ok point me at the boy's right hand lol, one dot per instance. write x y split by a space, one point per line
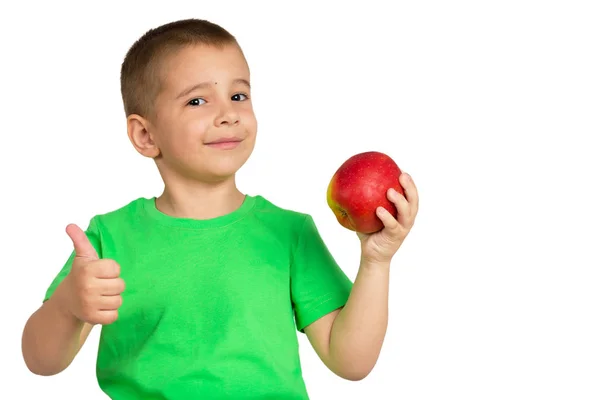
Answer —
93 286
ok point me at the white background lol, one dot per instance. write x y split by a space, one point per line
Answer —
493 107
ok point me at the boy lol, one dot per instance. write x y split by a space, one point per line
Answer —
217 281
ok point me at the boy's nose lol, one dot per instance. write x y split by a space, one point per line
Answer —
227 116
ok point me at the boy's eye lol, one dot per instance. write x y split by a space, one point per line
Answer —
196 102
239 97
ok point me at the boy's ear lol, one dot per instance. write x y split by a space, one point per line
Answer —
140 137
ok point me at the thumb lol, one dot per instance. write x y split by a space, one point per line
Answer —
81 243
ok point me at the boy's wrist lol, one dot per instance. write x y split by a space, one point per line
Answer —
377 265
61 303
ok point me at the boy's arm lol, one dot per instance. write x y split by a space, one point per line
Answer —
52 337
89 295
349 340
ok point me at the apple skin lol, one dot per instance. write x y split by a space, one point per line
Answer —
359 186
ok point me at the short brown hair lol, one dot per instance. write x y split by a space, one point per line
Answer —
140 71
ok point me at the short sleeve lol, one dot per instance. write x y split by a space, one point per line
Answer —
318 284
93 234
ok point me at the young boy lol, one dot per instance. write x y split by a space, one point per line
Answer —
200 291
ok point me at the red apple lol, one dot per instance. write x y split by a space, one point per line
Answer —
359 186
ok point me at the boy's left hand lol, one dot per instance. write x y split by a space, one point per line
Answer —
380 247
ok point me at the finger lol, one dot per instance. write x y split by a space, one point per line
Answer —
107 317
389 222
81 243
106 269
401 205
112 287
410 191
110 303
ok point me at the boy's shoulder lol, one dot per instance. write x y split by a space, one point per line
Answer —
268 207
128 211
285 225
131 207
288 217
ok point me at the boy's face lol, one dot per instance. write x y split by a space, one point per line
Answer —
204 125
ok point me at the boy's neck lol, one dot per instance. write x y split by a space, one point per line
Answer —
200 200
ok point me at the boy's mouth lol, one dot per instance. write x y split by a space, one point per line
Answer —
230 139
225 143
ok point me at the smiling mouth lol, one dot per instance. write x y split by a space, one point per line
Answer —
224 144
225 140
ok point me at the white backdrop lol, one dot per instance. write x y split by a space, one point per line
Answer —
491 106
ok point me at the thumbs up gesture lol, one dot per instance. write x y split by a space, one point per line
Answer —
93 285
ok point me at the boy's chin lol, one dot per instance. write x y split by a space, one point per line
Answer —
216 171
220 173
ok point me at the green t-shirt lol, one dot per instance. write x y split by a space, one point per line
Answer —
211 307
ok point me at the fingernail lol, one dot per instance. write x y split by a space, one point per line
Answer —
406 177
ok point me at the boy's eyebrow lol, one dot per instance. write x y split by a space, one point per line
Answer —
204 85
242 81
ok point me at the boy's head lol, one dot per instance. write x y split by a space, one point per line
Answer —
185 86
